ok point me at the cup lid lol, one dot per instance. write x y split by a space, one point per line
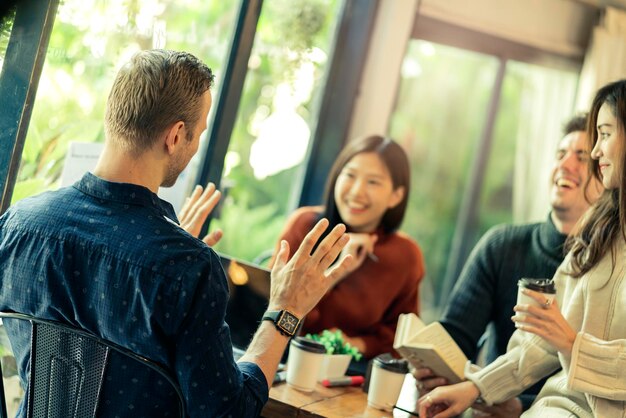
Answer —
388 362
309 345
539 285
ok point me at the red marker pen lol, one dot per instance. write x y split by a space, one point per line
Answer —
343 381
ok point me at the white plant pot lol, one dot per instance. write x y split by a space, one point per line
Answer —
334 365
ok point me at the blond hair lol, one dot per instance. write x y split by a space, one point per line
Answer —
154 90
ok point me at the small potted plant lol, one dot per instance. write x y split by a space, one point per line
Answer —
338 354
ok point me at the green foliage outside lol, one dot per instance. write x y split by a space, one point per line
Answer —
255 210
5 31
90 38
334 343
438 119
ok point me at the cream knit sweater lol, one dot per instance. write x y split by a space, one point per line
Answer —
593 382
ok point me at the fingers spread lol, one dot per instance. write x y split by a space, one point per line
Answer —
281 257
331 246
189 202
311 238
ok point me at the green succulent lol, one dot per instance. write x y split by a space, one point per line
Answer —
334 343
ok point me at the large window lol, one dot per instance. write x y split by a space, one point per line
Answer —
442 101
277 115
442 119
90 38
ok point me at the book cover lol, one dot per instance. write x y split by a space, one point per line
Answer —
429 346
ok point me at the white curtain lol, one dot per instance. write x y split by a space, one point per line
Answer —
547 102
606 57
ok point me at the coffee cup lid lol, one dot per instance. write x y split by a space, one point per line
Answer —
388 362
309 345
539 285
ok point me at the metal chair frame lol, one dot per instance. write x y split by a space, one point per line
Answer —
104 349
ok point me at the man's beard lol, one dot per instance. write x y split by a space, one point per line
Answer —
173 171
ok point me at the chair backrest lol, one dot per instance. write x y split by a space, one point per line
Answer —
67 370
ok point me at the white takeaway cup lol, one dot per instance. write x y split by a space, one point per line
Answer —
304 363
386 381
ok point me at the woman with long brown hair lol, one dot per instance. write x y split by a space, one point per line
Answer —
584 331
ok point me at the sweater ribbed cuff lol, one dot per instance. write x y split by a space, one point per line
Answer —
597 367
489 381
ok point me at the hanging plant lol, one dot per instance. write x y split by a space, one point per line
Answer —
299 23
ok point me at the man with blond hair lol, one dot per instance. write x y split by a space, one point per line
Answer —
108 256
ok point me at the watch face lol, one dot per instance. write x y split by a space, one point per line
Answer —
288 322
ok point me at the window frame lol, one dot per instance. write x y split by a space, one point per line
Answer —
19 81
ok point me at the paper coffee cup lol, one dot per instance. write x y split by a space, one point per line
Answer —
386 382
545 286
304 363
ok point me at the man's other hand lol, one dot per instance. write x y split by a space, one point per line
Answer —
197 208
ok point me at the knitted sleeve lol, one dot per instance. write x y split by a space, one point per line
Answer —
528 359
598 367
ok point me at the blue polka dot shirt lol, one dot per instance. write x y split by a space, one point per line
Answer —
110 258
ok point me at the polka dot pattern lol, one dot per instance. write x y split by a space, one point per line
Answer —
111 259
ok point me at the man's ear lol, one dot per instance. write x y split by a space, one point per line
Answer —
173 136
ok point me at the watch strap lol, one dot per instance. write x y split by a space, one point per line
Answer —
286 322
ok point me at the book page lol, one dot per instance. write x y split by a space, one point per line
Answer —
408 325
436 335
429 346
429 357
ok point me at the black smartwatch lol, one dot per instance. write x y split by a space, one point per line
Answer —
286 322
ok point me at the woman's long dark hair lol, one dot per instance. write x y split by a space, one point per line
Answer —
397 162
606 220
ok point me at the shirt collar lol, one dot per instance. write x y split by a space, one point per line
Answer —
125 193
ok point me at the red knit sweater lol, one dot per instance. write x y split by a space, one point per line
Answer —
366 303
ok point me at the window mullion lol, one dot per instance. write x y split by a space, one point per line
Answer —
19 80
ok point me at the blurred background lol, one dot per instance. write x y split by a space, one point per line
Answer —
475 91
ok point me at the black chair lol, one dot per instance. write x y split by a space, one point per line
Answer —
67 369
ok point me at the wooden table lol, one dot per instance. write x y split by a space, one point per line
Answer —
341 402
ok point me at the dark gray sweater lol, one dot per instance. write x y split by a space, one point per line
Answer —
486 290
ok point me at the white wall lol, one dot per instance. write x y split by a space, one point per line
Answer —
377 93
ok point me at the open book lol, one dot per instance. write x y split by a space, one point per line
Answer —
429 346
